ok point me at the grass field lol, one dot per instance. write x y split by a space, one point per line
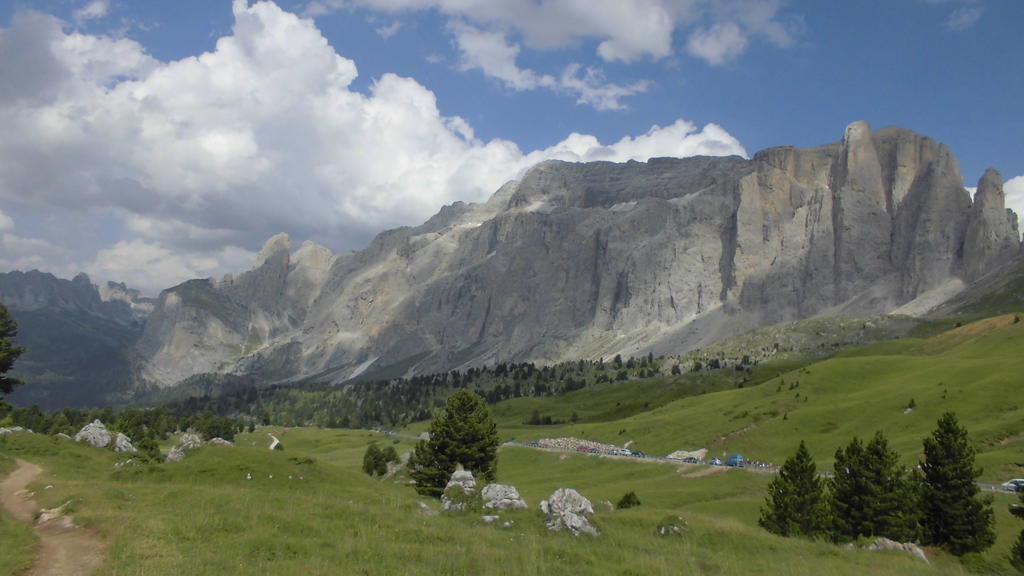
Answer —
310 510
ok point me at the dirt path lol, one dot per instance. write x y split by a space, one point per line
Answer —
64 550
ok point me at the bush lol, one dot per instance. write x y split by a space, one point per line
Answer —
628 500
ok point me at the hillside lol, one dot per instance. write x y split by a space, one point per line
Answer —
973 370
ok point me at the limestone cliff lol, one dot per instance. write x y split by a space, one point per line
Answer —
589 260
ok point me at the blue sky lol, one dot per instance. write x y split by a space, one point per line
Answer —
156 141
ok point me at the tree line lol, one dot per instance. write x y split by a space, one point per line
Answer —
870 495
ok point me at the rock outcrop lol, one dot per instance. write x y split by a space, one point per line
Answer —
567 508
95 434
992 237
502 497
591 260
123 443
460 492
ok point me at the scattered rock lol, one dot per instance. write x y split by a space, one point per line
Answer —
887 544
672 526
94 433
427 510
12 430
123 463
123 443
567 508
248 475
63 436
502 497
190 441
608 504
55 514
220 442
508 523
275 444
175 455
460 492
490 518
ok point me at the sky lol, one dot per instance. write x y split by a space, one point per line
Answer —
152 142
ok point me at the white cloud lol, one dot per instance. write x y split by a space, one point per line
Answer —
151 267
495 56
1014 190
6 224
625 31
964 17
717 45
193 163
93 10
390 30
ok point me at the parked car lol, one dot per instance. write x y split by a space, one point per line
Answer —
715 462
1015 485
691 460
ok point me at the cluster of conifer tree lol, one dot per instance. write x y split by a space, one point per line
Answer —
871 495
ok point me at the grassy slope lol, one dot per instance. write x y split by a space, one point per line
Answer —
974 371
201 516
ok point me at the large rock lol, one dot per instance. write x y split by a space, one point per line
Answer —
460 492
190 441
502 497
176 454
123 443
94 433
887 544
567 508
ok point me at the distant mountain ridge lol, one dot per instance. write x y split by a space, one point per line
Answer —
590 260
77 337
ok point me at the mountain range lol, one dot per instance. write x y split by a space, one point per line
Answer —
578 260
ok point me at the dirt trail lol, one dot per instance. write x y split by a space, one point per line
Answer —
64 550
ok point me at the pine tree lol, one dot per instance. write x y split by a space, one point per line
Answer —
897 507
953 515
463 433
8 351
796 504
871 494
1017 552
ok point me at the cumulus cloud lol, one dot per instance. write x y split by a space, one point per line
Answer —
624 31
718 44
191 164
1014 190
151 266
492 53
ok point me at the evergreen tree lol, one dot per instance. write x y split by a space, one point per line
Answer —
796 504
871 494
8 351
953 515
372 460
1017 552
463 433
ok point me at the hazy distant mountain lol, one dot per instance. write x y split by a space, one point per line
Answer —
76 336
590 260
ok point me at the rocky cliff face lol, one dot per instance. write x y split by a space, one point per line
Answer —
588 260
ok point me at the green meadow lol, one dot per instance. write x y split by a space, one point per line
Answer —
310 510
